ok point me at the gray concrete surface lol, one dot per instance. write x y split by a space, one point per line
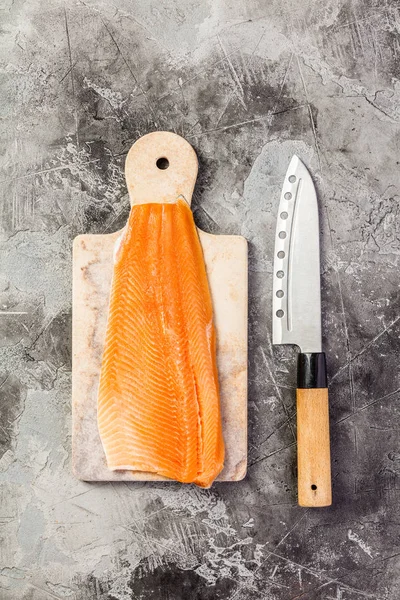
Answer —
247 83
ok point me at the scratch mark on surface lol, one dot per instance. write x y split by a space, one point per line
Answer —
277 389
67 73
314 130
355 439
344 586
385 428
292 529
39 589
372 103
75 496
5 380
286 422
282 85
368 405
113 220
244 585
224 110
135 79
5 432
194 77
72 78
366 347
322 575
209 216
238 87
349 23
272 454
130 17
359 35
274 571
348 350
90 512
43 171
247 65
152 540
241 123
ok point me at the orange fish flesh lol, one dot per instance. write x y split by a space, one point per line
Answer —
158 402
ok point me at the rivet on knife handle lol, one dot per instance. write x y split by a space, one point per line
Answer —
313 448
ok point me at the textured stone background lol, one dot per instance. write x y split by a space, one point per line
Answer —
247 83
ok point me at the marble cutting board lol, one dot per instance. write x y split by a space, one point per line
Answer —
226 264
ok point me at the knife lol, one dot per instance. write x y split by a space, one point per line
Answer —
296 319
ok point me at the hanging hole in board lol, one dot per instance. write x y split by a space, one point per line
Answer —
288 196
162 163
292 178
280 294
281 254
313 487
284 215
280 274
282 235
279 313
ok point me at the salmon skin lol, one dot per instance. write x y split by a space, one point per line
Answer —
158 402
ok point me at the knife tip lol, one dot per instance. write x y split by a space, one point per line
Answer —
294 161
296 164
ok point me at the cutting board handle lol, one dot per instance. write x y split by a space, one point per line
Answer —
160 167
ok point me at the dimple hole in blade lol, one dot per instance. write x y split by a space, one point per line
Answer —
282 296
280 293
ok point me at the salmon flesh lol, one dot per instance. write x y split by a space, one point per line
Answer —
158 402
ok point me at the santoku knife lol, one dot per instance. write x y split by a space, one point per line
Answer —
296 320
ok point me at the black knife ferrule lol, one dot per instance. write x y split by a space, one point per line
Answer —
311 370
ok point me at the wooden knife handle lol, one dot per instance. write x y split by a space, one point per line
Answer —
313 446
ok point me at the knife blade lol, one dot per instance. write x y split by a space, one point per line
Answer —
296 319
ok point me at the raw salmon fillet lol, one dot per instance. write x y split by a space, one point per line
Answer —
158 402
